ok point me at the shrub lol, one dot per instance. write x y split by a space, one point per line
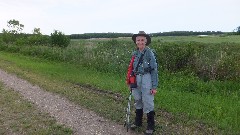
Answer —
1 40
2 44
8 37
175 57
58 39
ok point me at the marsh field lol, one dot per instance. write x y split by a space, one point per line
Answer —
199 89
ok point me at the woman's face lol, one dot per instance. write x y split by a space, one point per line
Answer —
141 42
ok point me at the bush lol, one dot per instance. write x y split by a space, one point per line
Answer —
175 57
1 40
8 37
38 39
21 41
12 48
217 61
58 39
2 44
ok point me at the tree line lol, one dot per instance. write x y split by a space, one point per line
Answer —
14 34
186 33
99 35
172 33
117 35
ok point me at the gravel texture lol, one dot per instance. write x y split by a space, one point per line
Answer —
81 120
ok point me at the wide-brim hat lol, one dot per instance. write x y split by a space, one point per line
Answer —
142 33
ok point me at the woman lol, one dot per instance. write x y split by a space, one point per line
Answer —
143 65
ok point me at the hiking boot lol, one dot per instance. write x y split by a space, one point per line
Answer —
138 119
150 122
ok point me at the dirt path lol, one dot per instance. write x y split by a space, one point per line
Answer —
82 121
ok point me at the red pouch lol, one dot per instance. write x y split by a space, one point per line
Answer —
133 81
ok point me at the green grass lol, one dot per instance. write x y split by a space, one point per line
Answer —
21 117
219 113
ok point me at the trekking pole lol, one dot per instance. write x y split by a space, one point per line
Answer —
128 111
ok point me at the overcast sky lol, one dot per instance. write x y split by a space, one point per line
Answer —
130 16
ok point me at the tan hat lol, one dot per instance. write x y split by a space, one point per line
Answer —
141 33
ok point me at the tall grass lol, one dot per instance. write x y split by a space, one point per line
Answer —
208 61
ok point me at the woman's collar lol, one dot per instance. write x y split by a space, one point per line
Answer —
145 48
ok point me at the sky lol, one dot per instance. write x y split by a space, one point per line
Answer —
121 16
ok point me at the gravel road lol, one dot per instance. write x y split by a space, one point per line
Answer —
81 120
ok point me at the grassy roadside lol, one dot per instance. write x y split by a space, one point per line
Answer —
61 78
21 117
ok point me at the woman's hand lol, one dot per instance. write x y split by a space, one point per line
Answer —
153 91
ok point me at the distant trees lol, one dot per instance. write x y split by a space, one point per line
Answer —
13 35
14 30
186 33
37 31
15 27
116 35
99 35
238 30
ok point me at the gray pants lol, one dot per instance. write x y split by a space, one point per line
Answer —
142 96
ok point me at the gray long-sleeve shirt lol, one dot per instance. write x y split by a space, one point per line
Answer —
149 65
